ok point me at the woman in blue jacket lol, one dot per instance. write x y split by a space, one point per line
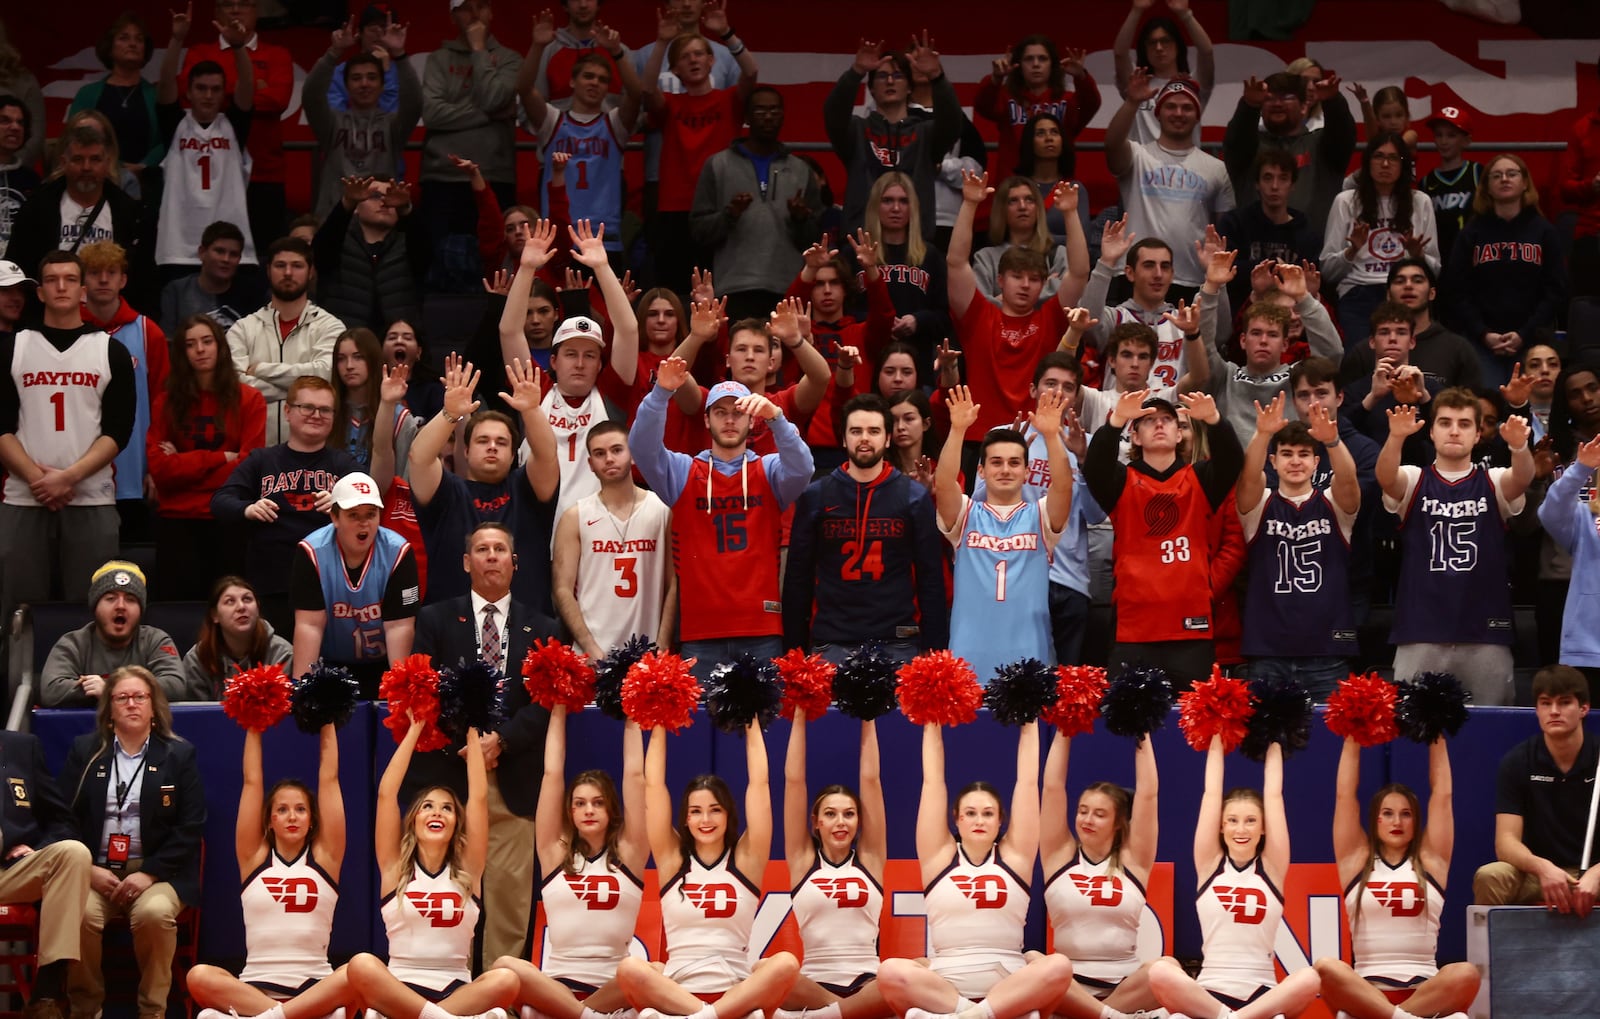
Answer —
1573 522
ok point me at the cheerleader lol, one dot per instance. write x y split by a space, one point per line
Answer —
1241 857
1096 892
430 878
836 849
976 899
1386 872
592 851
708 905
290 845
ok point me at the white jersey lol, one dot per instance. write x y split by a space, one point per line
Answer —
624 567
60 393
837 907
288 917
976 914
589 920
207 171
430 924
1394 924
1094 912
1239 912
571 425
708 912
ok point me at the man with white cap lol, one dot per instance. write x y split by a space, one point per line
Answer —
727 511
75 671
13 296
354 589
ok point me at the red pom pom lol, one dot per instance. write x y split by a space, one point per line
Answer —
412 689
938 687
807 683
1362 709
661 691
1216 706
556 674
257 698
1079 689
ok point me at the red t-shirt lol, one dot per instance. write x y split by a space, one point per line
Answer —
1001 353
274 87
693 129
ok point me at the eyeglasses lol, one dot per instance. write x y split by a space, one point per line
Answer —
125 699
1506 175
1385 157
1161 40
312 410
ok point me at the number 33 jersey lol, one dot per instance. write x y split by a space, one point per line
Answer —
1161 556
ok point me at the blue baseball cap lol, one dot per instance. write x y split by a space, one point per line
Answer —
723 390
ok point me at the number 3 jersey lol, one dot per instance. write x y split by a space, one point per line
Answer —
624 567
1299 594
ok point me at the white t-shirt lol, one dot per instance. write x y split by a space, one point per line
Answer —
1174 195
74 220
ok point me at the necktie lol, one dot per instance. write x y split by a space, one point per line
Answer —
492 652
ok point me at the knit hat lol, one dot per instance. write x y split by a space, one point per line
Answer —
1179 87
118 575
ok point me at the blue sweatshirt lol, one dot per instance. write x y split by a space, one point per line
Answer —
1568 520
1506 275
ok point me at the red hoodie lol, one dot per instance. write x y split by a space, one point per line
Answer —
185 480
155 343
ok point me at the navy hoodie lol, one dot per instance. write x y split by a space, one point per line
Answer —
1505 275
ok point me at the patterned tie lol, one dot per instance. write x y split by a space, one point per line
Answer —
492 652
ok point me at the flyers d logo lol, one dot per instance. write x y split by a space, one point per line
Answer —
294 894
1099 889
1400 898
717 901
440 909
596 891
848 892
987 891
1248 905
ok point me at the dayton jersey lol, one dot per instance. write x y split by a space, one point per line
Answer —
708 912
430 923
1298 602
1160 557
976 912
206 171
1002 585
60 394
624 568
571 425
837 906
1239 911
589 919
1394 923
725 530
1455 585
288 917
1095 912
594 171
354 631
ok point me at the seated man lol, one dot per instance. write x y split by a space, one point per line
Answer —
1541 805
75 671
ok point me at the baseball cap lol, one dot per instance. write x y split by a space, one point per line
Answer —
456 3
1179 87
723 390
11 275
578 328
1454 116
378 14
1160 403
356 489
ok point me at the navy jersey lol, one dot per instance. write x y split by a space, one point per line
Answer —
1454 579
1298 600
865 564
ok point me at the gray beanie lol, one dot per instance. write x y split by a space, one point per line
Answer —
117 575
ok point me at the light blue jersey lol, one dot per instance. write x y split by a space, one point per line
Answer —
355 610
1001 610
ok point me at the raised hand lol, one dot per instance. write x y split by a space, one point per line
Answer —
1072 61
609 38
630 290
785 320
1203 407
1269 419
467 168
1357 239
1403 421
715 17
356 190
1518 391
393 39
1185 318
706 317
460 382
672 373
963 412
1515 430
1077 438
1080 321
1588 454
1313 277
536 243
499 283
1323 426
342 39
1210 243
1262 278
701 286
588 244
1323 90
923 57
1140 88
232 31
1359 91
975 187
1291 280
544 28
757 406
1065 198
398 196
1115 241
1046 419
1406 385
866 249
819 255
1130 407
572 280
525 389
946 361
868 53
1219 268
846 358
1001 69
1255 92
393 387
666 26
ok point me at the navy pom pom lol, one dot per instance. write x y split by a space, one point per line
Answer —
742 691
1282 715
1020 691
864 686
325 694
1431 704
610 671
470 698
1136 701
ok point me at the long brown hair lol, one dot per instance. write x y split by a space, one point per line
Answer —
371 351
614 818
183 385
1122 803
210 646
1375 847
311 801
714 785
1244 794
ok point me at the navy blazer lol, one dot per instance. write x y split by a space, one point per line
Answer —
33 812
172 807
448 633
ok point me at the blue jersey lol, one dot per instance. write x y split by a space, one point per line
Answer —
354 631
1001 610
130 464
1297 604
1455 585
594 171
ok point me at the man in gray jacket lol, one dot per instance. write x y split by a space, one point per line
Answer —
75 671
757 208
363 139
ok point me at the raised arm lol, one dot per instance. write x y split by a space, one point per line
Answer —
1251 487
1119 150
1275 856
476 857
549 819
1122 52
755 846
536 244
715 20
1066 197
1047 421
1020 846
543 470
1516 433
589 248
635 840
658 806
962 283
427 470
947 495
172 59
1439 839
1403 423
329 847
1056 842
386 819
935 847
1350 849
1208 822
1346 488
249 837
872 839
654 101
391 394
797 850
1144 827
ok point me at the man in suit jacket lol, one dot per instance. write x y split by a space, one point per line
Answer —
488 624
40 859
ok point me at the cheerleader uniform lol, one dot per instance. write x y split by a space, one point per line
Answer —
589 921
1094 912
288 916
1394 928
837 907
430 924
976 913
708 912
1239 912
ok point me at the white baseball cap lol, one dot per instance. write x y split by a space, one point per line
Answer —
357 489
578 327
11 275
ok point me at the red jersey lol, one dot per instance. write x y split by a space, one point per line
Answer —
693 129
1001 353
725 532
400 516
274 69
1161 557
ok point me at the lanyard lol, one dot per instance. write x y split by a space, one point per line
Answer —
124 787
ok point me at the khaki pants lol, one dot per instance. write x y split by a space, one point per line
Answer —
58 874
508 878
153 919
1500 884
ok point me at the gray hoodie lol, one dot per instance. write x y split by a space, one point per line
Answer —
357 143
201 684
469 105
83 653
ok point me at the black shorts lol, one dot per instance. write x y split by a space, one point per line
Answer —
846 990
278 992
436 996
1234 1004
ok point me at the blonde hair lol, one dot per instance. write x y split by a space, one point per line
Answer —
407 863
916 247
1482 202
160 709
1000 230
